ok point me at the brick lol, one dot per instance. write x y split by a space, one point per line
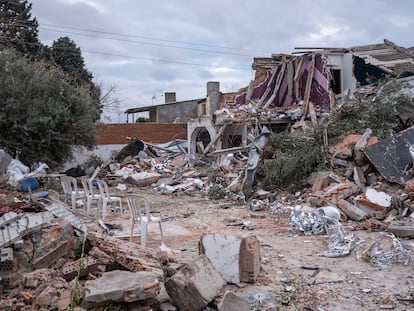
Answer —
44 299
108 134
122 286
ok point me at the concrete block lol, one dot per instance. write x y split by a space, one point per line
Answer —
351 210
195 285
236 258
223 251
122 286
232 302
402 229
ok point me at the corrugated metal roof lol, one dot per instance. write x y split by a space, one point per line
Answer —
387 56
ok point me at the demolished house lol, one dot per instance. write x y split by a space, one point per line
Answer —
60 255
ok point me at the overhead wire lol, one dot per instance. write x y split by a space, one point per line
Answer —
145 58
148 43
151 38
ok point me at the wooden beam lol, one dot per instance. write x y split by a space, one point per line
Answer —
215 139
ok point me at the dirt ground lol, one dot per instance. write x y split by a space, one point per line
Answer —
294 276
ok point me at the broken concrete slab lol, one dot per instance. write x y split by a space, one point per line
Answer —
236 258
403 229
129 255
143 179
195 285
61 210
122 286
17 227
392 158
232 302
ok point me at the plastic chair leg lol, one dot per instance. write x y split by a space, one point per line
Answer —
144 229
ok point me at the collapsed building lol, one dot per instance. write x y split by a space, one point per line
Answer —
288 91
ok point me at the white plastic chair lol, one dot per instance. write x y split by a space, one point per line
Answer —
140 211
90 194
71 191
107 198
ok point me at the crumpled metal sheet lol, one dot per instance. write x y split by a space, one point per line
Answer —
386 251
316 223
340 244
310 223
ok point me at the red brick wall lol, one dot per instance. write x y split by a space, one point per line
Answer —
156 133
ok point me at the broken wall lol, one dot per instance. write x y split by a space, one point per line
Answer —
111 138
286 83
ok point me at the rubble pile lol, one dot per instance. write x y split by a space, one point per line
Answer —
55 258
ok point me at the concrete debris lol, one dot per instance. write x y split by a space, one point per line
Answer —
232 302
392 157
195 284
236 258
123 286
14 227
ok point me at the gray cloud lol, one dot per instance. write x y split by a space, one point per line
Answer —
266 26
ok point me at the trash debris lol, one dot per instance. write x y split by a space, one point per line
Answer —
386 252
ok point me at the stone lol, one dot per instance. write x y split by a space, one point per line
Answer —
195 285
122 286
232 302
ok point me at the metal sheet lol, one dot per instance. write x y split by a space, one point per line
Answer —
391 156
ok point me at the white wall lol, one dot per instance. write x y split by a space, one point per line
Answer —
81 155
345 63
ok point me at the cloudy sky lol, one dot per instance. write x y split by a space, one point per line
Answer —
148 47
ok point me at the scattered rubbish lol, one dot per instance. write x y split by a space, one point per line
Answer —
386 252
339 243
259 205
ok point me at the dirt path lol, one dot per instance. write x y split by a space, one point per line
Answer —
294 276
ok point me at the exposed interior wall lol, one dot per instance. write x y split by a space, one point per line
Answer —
344 63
